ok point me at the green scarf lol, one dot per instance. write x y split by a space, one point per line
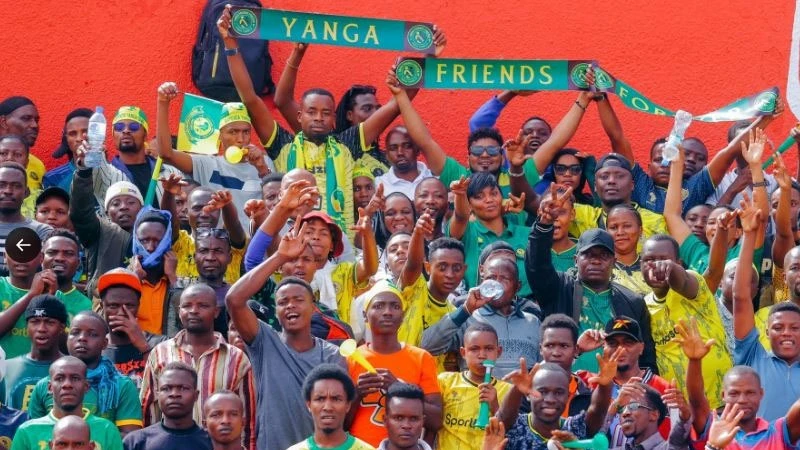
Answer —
335 170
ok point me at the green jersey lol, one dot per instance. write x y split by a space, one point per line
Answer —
22 374
595 312
36 433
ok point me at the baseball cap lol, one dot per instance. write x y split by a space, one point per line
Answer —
336 232
119 276
46 305
53 191
613 160
122 188
624 326
595 237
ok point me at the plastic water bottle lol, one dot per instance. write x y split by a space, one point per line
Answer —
96 136
491 289
670 153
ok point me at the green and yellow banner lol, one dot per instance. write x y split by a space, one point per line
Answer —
198 131
347 31
557 75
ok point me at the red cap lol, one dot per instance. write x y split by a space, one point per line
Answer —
336 232
119 276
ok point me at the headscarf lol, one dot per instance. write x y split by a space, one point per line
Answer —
150 214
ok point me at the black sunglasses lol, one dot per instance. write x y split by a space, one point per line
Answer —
478 150
562 169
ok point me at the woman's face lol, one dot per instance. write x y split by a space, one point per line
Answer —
625 230
568 171
398 214
487 204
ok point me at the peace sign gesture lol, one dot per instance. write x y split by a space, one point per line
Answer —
294 242
550 207
515 149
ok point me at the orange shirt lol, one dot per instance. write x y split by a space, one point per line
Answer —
151 306
411 365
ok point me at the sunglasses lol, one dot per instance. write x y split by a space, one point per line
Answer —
633 407
562 169
219 233
478 150
133 127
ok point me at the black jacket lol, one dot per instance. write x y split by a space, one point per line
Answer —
560 292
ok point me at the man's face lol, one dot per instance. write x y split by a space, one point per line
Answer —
744 390
697 218
54 212
431 197
212 256
71 438
478 347
595 265
539 131
363 189
553 389
636 422
328 405
13 189
177 394
364 106
86 339
294 306
791 267
320 237
235 134
401 153
23 270
783 330
44 332
182 208
404 421
23 121
696 156
630 357
385 314
614 185
126 139
224 419
271 194
317 116
397 252
12 150
303 267
117 300
558 346
652 252
398 214
481 158
76 131
150 234
197 311
68 384
198 218
501 269
658 172
794 206
446 269
122 210
62 256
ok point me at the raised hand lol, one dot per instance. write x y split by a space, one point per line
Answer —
80 153
377 202
474 300
299 193
608 367
171 266
167 92
44 282
551 206
363 223
172 183
459 187
439 41
724 428
590 340
224 22
218 200
749 214
781 174
726 220
425 225
391 81
522 378
659 271
255 156
256 210
495 436
673 398
515 149
294 242
514 204
692 344
631 391
753 151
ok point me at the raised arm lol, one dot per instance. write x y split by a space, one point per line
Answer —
601 397
487 114
416 251
182 161
172 187
719 250
81 208
522 381
784 238
284 90
743 314
368 264
695 349
678 278
613 128
223 200
263 121
724 158
460 219
563 132
752 154
673 204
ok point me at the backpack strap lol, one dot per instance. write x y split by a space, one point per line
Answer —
577 301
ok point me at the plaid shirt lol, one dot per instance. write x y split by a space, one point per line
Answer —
223 366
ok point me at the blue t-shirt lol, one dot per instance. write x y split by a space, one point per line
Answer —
10 420
695 190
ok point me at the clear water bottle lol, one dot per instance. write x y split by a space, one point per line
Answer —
491 290
96 136
670 153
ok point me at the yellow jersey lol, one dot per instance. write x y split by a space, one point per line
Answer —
186 270
588 217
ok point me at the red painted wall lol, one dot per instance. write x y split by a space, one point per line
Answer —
695 55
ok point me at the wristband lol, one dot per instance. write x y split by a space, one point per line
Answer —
231 51
516 174
711 447
579 105
760 184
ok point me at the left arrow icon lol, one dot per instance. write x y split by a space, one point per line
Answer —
20 245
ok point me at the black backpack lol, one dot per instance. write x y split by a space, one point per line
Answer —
210 72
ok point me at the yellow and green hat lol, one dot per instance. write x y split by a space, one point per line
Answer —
381 287
362 171
133 113
233 112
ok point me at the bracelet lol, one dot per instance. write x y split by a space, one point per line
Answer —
292 66
579 105
519 174
711 447
762 183
231 51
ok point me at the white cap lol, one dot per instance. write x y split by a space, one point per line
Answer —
122 188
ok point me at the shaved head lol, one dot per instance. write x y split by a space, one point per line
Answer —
71 432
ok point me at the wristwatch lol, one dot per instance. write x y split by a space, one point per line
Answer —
762 183
231 51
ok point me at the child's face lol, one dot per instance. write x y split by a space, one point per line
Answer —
478 347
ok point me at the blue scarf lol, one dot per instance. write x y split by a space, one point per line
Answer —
103 379
152 260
